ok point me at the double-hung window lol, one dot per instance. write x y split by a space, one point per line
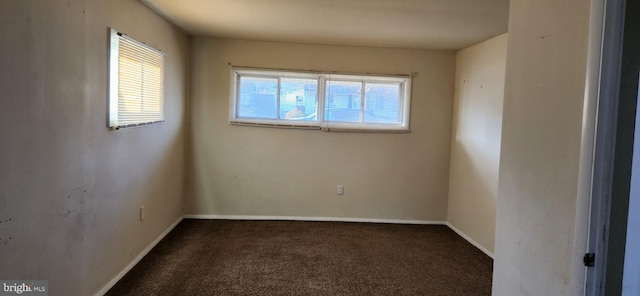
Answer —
136 83
319 100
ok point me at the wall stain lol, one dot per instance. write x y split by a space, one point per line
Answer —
69 213
75 196
5 232
78 213
76 190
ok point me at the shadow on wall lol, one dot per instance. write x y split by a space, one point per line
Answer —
473 193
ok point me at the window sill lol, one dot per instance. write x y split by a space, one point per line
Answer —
340 129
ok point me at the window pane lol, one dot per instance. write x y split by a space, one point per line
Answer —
298 99
136 89
343 101
382 103
257 97
294 99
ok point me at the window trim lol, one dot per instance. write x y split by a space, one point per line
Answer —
404 82
269 74
114 80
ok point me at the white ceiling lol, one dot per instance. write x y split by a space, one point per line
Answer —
436 24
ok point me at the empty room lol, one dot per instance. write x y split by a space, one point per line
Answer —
283 147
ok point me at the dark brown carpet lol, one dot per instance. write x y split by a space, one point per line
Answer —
220 257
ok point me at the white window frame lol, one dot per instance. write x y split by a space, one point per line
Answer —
320 122
145 118
234 119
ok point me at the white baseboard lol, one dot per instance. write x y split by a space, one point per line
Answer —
146 250
343 219
470 240
318 219
135 261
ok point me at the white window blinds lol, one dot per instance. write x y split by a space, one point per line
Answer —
137 83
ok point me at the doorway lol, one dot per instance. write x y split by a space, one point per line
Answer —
615 203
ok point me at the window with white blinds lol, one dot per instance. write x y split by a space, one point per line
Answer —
136 91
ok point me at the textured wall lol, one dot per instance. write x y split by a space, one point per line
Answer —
70 188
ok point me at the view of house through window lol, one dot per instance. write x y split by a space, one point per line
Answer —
381 102
277 98
320 100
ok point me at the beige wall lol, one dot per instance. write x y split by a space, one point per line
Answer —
70 188
237 170
475 139
541 138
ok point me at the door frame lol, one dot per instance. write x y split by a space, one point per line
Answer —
613 151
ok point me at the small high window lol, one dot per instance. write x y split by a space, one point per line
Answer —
136 83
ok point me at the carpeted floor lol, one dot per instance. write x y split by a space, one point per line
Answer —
220 257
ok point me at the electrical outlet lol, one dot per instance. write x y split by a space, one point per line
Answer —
141 213
340 190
